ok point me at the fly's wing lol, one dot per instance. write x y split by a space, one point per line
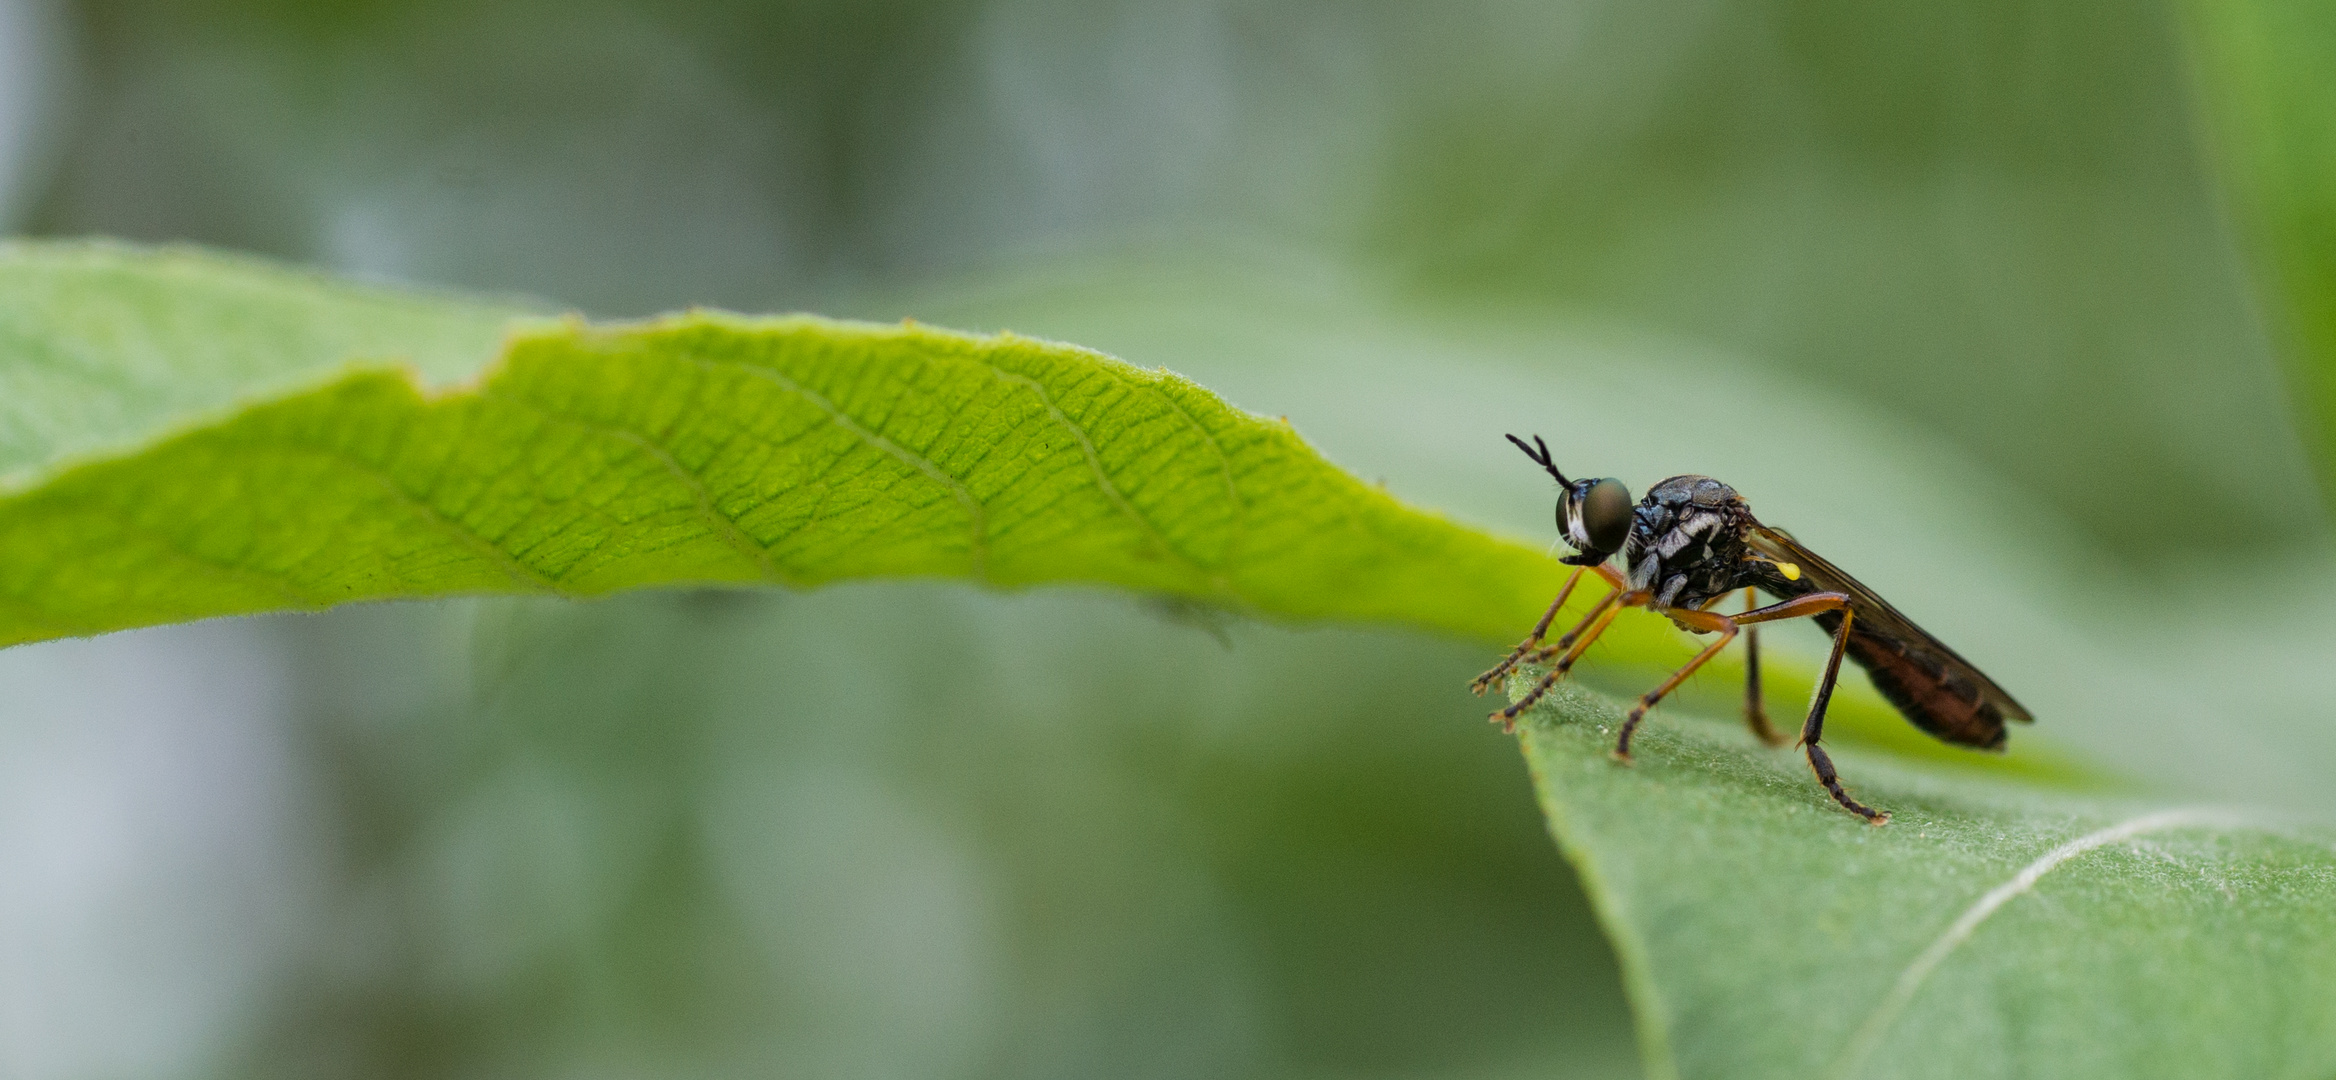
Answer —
1938 690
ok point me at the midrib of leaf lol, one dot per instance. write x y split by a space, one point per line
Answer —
1876 1026
976 514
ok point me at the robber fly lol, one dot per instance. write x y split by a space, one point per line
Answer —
1690 544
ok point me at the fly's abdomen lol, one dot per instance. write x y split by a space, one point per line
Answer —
1929 691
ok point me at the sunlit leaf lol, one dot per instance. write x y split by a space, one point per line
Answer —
273 441
701 448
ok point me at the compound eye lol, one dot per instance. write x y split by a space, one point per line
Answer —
1606 514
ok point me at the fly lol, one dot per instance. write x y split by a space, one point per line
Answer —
1691 543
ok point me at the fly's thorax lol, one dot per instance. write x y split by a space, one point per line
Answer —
1686 542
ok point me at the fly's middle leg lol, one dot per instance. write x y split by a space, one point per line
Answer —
1694 620
1706 622
1812 729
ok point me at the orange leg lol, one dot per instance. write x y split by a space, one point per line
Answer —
1578 641
1707 622
1531 640
1812 729
1574 644
1755 714
1565 642
1525 652
1702 621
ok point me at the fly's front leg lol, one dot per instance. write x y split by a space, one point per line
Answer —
1574 644
1531 640
1813 730
1755 714
1618 596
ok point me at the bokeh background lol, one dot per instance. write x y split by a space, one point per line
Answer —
1948 289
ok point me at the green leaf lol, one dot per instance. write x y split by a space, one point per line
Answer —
702 448
1989 929
194 436
103 347
2269 99
313 443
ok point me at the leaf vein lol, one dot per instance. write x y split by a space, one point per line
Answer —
174 546
721 523
1237 529
1869 1034
519 571
974 511
1102 477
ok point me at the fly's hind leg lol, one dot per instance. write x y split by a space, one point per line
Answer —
1813 730
1755 713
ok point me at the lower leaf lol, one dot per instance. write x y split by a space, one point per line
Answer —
1993 927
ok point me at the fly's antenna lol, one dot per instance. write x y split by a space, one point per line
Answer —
1541 457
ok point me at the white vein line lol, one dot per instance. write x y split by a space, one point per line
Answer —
1877 1024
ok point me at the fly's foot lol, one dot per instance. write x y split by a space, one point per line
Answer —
1872 816
1508 663
1507 718
1822 763
1525 654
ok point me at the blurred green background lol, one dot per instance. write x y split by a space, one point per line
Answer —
1947 289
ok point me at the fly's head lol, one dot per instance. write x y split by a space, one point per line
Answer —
1686 541
1593 514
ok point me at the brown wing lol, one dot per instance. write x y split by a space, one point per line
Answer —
1936 688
